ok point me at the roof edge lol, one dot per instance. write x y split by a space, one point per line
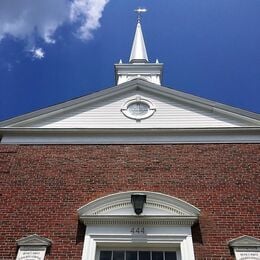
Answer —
143 84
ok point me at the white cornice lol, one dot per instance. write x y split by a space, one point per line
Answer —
129 136
129 130
146 220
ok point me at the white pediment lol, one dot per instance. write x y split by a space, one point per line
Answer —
109 116
118 207
34 240
172 109
245 241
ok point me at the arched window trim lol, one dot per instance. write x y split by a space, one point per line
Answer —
166 219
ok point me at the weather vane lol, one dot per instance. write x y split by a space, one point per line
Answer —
139 12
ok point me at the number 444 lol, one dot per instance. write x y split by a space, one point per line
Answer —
137 230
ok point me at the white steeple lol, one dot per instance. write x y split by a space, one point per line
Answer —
138 52
139 65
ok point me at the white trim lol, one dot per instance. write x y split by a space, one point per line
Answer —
157 205
130 136
150 72
159 236
165 221
135 84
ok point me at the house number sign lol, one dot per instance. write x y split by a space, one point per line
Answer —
137 230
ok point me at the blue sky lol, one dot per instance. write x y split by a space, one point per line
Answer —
54 51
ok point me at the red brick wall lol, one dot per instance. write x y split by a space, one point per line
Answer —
42 186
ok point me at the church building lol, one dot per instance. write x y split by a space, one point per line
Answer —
138 171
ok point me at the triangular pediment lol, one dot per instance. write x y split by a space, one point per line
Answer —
172 109
245 241
34 240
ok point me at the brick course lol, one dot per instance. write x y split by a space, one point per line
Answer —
42 186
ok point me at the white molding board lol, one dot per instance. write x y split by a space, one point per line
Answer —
130 136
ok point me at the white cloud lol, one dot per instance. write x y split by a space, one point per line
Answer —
38 53
23 19
88 12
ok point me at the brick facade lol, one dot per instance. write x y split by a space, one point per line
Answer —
42 186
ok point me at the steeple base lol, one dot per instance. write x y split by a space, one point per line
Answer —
151 72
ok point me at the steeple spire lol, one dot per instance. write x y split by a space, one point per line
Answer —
139 65
138 52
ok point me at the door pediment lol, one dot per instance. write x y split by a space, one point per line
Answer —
159 208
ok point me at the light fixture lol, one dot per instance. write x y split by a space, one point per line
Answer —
138 200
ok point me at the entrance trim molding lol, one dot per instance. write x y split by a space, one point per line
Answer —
166 222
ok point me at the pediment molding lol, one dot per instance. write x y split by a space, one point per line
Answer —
108 209
34 240
99 119
27 120
244 241
159 209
